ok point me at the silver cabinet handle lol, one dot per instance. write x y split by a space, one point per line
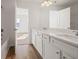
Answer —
57 52
64 57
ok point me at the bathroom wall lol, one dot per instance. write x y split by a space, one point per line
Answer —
8 20
44 18
38 15
73 14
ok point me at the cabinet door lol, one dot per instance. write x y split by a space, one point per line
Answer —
39 43
63 46
66 56
33 37
45 47
54 51
50 51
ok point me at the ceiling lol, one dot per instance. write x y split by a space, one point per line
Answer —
55 2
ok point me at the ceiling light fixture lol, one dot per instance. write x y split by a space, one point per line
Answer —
46 3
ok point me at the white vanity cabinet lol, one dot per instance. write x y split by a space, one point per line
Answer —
39 43
34 33
49 51
46 45
67 51
51 47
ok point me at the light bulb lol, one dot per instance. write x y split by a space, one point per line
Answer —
45 2
42 4
50 2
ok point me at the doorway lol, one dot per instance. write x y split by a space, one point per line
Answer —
22 26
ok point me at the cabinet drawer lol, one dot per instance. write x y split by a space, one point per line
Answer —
63 46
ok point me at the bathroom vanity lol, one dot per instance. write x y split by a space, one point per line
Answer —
55 44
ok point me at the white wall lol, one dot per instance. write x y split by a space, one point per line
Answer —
4 49
7 20
38 15
44 18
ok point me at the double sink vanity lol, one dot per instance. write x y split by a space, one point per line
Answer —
55 43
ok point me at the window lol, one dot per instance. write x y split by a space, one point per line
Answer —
59 19
22 20
17 22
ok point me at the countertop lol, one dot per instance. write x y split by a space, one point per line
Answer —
64 35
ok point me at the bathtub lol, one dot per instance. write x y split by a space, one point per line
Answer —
4 49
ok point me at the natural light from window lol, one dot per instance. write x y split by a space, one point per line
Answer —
59 19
